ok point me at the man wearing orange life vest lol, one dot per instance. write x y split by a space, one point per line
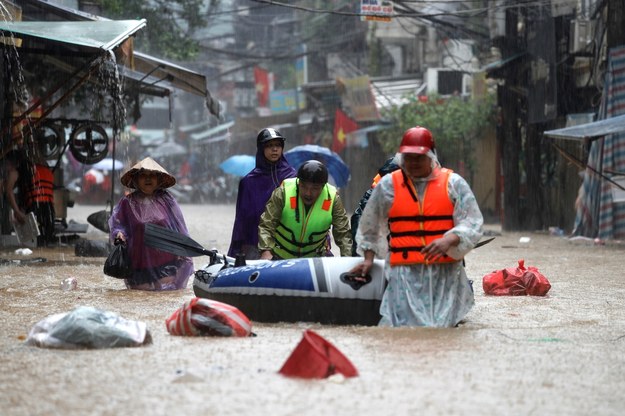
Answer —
432 220
38 185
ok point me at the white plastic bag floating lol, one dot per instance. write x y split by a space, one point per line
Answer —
87 327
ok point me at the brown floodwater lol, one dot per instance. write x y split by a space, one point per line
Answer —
562 354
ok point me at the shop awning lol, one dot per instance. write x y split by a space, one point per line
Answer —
195 127
163 73
147 85
179 77
155 76
494 69
92 36
58 43
590 130
137 81
208 135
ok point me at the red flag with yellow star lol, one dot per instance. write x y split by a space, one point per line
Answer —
342 126
261 78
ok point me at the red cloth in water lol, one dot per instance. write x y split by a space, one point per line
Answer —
516 281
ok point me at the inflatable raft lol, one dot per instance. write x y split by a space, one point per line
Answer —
318 289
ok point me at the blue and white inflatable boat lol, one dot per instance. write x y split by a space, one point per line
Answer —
317 289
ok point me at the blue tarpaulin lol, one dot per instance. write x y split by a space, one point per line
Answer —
599 213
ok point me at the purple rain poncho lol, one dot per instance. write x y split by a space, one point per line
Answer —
153 269
254 192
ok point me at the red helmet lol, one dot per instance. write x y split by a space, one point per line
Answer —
416 140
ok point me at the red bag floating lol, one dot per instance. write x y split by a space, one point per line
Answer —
516 281
316 357
201 316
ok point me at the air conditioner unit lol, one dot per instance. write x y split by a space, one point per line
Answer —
562 7
444 81
582 72
581 35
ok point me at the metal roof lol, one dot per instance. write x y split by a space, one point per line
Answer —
162 72
88 37
209 133
179 77
590 130
137 81
94 36
395 92
387 91
496 69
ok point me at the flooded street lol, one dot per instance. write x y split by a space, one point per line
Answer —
563 354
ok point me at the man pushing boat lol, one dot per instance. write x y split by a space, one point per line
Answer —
422 219
299 215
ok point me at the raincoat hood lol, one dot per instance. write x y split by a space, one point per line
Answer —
399 161
279 170
254 192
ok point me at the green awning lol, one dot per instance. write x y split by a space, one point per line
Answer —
93 35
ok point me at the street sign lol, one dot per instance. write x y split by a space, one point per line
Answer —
376 10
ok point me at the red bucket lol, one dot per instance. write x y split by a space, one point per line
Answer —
315 357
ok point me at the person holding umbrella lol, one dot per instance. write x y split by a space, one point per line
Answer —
432 220
255 188
150 202
299 216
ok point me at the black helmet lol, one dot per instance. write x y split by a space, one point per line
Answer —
267 135
313 171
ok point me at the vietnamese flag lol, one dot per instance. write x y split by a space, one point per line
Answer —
261 77
342 126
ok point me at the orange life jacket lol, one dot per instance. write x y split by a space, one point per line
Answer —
42 188
414 225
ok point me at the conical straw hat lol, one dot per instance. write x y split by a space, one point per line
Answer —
148 164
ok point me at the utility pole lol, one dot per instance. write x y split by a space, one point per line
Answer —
616 27
509 134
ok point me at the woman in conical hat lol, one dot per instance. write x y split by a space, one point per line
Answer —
150 202
148 165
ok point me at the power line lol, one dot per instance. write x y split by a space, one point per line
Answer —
414 13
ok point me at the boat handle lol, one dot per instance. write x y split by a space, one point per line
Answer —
355 280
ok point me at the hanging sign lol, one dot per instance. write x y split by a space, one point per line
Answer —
376 10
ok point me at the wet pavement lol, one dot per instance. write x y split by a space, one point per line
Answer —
563 354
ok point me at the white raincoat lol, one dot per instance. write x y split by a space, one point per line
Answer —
437 295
